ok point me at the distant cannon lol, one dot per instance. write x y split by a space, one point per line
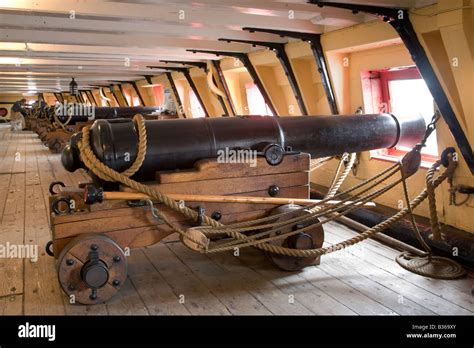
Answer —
73 117
86 113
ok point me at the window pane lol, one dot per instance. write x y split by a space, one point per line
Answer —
158 94
409 98
196 109
256 103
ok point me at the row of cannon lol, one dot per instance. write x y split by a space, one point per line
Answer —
56 124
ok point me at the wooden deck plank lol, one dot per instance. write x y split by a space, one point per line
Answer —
341 268
277 301
11 305
336 300
6 164
4 189
41 284
12 233
79 309
198 299
127 302
369 266
31 162
19 161
291 283
224 285
158 296
345 294
387 255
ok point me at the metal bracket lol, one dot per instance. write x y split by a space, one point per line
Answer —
200 65
148 79
315 43
400 21
279 49
200 218
154 210
250 68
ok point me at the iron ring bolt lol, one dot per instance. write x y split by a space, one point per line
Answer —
55 206
53 185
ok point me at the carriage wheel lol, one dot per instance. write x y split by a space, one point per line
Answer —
310 239
92 268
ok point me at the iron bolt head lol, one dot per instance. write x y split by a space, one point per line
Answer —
216 215
273 190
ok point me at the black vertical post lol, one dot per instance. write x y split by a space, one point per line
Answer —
123 95
195 90
91 98
318 53
220 73
256 79
59 97
176 94
137 90
111 88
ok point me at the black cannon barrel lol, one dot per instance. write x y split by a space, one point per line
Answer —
178 144
84 113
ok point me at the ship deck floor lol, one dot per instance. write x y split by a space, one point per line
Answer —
170 279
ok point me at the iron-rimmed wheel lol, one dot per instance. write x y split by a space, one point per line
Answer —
309 239
92 268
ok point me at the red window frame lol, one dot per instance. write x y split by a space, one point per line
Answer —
387 75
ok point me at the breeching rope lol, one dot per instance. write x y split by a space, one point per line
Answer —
267 224
63 124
